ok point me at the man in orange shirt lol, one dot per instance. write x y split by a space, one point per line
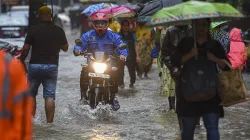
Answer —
15 102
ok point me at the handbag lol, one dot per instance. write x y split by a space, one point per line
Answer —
232 89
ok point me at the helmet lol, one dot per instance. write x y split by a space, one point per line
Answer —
100 23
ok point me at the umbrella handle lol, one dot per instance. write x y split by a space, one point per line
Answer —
52 10
194 36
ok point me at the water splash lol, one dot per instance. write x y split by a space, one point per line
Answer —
104 112
101 112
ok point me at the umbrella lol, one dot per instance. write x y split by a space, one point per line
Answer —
115 12
134 6
184 13
218 23
92 8
152 7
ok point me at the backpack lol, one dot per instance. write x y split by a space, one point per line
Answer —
199 79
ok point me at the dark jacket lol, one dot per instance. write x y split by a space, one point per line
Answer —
172 38
190 109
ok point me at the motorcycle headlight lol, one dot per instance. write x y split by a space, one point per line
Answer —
99 67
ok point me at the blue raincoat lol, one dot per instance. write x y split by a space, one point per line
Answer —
92 42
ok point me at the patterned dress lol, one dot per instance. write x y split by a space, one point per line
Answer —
145 47
167 85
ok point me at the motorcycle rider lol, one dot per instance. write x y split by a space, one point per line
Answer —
99 39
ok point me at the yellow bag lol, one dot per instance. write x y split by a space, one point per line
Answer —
232 88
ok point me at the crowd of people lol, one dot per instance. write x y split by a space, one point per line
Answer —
176 55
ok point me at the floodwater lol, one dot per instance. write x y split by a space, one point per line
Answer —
143 114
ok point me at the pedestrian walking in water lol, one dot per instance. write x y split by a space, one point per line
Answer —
46 40
189 59
129 38
16 107
171 36
237 51
144 42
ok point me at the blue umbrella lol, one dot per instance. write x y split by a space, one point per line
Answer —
92 8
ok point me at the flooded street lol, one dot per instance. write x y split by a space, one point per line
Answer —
143 114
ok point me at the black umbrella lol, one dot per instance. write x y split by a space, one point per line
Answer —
153 6
137 7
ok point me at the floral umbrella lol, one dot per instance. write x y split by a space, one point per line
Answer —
117 12
184 13
92 8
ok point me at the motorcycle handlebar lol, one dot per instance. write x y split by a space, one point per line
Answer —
86 55
90 55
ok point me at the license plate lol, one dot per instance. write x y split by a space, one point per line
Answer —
100 75
8 32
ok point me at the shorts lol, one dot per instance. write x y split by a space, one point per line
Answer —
45 74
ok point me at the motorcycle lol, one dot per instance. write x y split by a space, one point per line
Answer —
100 67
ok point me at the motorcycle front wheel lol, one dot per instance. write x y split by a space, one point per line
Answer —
94 98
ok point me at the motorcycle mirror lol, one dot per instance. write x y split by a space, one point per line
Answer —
123 46
78 42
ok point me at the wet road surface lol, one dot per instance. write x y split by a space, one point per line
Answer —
143 114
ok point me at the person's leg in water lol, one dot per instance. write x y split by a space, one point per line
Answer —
35 80
211 122
121 66
49 91
114 89
84 83
171 100
34 86
139 71
171 97
131 64
188 127
147 68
